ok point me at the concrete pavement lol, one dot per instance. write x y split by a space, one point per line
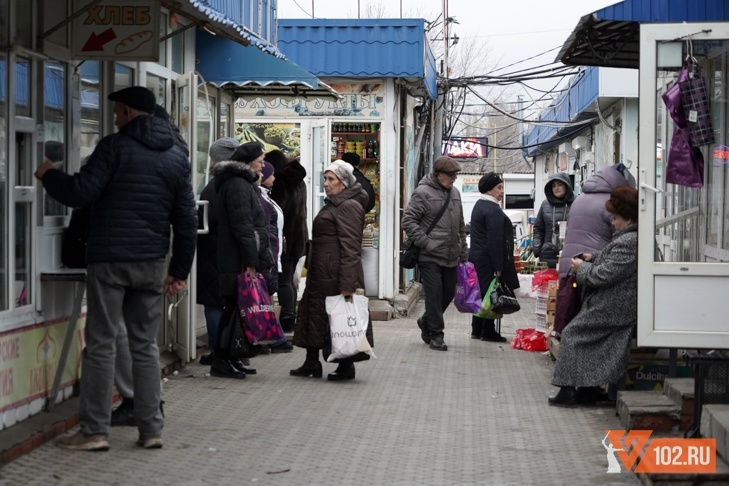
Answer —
476 414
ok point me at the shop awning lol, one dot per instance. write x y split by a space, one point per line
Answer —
219 16
610 37
245 71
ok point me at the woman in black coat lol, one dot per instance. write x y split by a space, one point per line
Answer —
242 240
492 248
289 192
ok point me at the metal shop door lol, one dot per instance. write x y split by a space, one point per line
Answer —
683 275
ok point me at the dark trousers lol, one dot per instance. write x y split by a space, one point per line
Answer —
439 285
485 328
287 293
222 349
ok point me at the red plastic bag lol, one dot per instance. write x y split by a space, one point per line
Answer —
529 340
542 277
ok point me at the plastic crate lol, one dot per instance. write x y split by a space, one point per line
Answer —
711 383
540 305
540 324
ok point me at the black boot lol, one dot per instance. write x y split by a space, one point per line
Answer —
488 332
567 397
224 369
344 371
476 327
287 324
240 366
124 414
311 367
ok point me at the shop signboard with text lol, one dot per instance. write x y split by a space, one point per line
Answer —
120 30
29 358
466 147
357 100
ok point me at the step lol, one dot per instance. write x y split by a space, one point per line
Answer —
681 391
647 410
380 310
715 424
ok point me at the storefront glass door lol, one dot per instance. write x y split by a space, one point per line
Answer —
684 213
320 158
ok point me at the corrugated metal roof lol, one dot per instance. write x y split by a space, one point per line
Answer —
242 69
610 36
569 107
233 17
360 48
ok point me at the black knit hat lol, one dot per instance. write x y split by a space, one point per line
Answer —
488 182
248 152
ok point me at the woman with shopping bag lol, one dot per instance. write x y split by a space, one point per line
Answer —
334 267
492 249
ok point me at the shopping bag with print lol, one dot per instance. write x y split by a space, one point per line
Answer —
348 321
467 298
486 312
256 310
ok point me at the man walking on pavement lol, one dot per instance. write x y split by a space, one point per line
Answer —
435 202
137 182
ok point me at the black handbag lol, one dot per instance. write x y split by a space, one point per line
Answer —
410 252
239 346
503 300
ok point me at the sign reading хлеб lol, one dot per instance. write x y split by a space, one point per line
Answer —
120 30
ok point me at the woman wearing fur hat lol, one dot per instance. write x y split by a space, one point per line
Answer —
595 347
289 191
242 240
492 248
334 266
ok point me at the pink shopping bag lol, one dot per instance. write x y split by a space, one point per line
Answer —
256 310
468 293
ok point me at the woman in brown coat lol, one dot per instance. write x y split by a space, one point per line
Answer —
334 266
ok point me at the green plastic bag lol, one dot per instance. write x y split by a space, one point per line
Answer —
486 312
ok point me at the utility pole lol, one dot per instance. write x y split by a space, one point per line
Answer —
446 21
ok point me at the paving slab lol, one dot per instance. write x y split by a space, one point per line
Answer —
474 415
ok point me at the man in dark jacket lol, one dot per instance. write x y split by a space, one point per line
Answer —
440 250
353 159
137 182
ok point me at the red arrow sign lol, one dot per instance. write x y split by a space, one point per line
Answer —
96 42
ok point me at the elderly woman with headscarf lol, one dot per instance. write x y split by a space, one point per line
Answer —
595 347
334 266
492 248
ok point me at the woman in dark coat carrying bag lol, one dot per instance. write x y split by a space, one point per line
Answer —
334 266
492 248
242 241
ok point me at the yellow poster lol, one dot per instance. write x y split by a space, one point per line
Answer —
29 358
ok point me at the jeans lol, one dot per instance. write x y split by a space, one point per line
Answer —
439 285
212 321
132 291
123 378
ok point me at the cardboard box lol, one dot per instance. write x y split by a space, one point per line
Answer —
552 287
550 317
552 304
647 375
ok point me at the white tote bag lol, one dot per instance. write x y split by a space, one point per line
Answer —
348 320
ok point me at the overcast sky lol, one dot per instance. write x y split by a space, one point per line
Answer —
512 30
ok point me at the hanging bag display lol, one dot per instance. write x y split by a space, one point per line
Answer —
695 101
409 253
348 321
256 310
467 297
486 312
503 300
